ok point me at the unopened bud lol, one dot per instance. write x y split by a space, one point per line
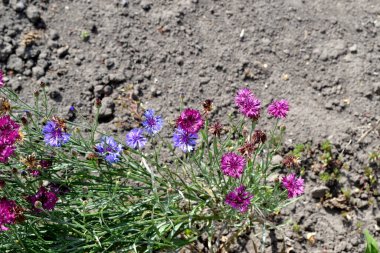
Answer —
24 120
38 204
36 93
98 102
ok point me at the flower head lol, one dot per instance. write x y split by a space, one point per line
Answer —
184 140
54 134
207 106
135 138
5 152
59 189
9 130
259 137
248 104
152 124
46 198
291 161
248 149
5 106
9 213
239 199
216 129
109 149
1 79
232 165
294 185
190 121
279 109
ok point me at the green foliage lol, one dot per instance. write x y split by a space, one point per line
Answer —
372 245
298 150
140 204
85 36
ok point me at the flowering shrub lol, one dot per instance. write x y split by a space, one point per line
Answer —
65 191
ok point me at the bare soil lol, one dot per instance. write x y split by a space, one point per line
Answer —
323 56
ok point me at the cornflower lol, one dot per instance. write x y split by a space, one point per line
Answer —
109 149
239 199
152 124
184 140
279 109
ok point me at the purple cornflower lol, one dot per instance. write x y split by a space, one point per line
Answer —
9 133
5 152
294 185
1 79
232 165
241 96
152 124
109 149
184 140
55 135
59 189
239 199
47 199
8 213
135 138
279 109
190 121
72 108
248 104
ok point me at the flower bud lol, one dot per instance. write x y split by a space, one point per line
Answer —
98 103
38 204
36 93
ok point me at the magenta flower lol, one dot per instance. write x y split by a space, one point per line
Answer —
9 213
8 130
279 109
239 199
232 165
8 136
248 104
5 152
190 121
46 198
1 79
294 185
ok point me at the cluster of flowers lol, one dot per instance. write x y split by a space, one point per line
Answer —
233 165
110 150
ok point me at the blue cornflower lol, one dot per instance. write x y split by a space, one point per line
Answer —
184 140
72 108
135 138
152 124
109 149
54 134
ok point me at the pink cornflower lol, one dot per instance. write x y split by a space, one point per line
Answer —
1 79
9 213
232 165
239 199
190 121
46 198
9 130
279 109
5 152
294 185
248 104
